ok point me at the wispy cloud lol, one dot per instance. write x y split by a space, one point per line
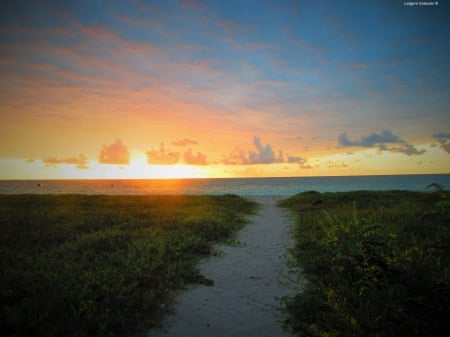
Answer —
335 164
444 140
162 156
80 161
184 142
116 153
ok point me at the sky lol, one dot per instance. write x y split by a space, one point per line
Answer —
177 89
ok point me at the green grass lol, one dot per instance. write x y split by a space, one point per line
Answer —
377 263
80 265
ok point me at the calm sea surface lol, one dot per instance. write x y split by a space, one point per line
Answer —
240 186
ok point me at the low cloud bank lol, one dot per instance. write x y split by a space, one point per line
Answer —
381 140
80 161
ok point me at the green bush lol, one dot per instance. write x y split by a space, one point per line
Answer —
377 264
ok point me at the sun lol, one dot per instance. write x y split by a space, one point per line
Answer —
178 171
140 169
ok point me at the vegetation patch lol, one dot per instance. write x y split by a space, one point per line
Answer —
82 265
377 263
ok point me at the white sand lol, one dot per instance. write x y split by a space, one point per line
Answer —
249 281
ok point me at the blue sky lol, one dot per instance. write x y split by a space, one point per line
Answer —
297 75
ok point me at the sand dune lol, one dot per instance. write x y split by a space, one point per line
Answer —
249 281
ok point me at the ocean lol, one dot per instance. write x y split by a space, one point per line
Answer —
239 186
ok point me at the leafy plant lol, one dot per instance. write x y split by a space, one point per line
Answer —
376 265
442 205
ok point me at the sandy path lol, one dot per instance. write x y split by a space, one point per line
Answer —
249 281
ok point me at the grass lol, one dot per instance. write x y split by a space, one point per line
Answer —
377 263
80 265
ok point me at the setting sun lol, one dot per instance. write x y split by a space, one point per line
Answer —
175 171
221 89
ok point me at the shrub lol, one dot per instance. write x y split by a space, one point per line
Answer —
376 265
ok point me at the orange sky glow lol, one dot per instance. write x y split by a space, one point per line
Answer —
145 90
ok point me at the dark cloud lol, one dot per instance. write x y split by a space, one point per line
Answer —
381 140
373 139
344 140
407 149
115 153
162 156
184 142
443 140
298 160
382 147
295 159
192 159
79 161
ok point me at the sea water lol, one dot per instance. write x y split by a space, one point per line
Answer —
240 186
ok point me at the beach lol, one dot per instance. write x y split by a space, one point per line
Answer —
250 278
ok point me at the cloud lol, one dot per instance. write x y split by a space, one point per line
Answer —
298 160
443 140
236 158
264 154
381 140
162 156
198 159
407 149
373 139
184 142
79 161
295 159
115 153
335 164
